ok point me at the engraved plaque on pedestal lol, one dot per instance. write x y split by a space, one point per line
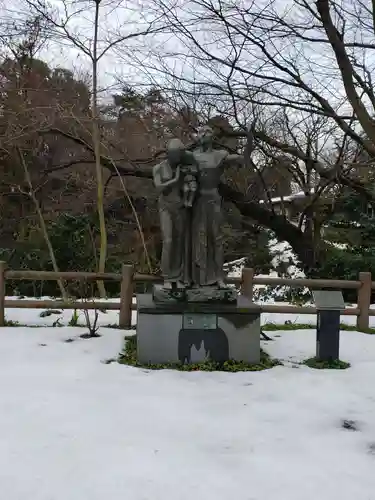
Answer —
193 321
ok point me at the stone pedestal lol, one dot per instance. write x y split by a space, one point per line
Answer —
191 332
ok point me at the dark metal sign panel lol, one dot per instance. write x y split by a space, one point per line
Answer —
328 300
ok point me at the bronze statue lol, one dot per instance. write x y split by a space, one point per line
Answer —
191 212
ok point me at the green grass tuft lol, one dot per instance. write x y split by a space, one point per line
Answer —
271 327
326 365
9 322
129 357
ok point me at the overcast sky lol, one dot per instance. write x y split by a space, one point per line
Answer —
118 19
143 59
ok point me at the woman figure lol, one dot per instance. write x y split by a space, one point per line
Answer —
176 179
207 237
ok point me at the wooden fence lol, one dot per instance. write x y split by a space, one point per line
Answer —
364 286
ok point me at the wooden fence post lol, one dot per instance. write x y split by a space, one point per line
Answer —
364 301
247 283
2 292
126 296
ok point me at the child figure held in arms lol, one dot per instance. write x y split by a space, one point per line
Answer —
183 163
190 186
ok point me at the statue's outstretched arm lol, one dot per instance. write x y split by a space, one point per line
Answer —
235 159
245 159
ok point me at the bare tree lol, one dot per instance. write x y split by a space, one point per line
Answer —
17 141
314 59
305 73
285 69
95 41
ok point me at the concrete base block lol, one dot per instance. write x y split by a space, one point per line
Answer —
192 333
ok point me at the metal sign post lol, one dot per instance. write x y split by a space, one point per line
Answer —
329 304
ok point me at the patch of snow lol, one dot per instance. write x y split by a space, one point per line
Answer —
284 263
290 197
61 317
234 268
75 428
32 317
339 246
283 256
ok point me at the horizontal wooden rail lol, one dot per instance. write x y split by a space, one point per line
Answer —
52 276
154 278
273 308
309 283
364 286
147 278
71 275
281 309
293 283
60 304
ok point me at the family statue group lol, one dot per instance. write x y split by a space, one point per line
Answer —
190 209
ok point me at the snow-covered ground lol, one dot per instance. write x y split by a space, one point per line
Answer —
73 427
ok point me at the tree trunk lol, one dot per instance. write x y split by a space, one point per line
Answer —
42 223
98 166
302 244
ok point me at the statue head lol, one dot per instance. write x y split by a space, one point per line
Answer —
205 135
175 150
